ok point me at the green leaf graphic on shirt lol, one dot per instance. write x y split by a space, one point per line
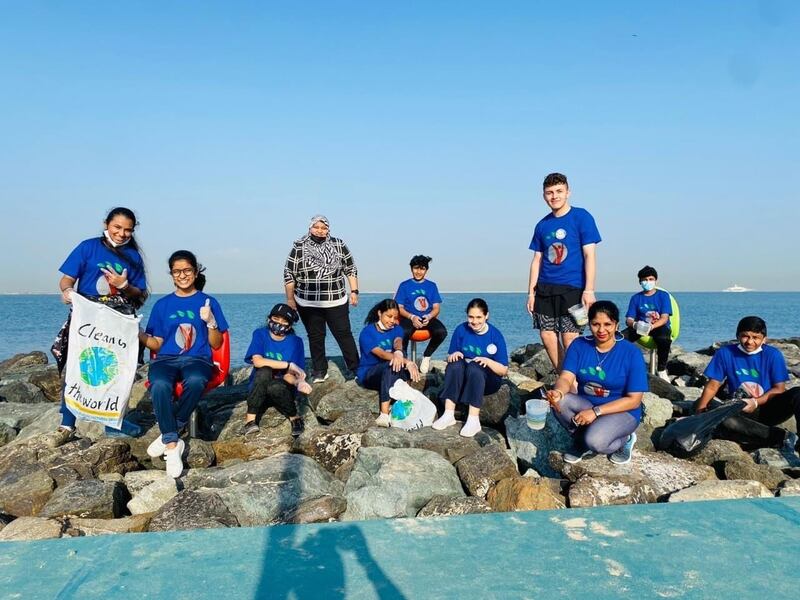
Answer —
181 313
583 371
753 372
190 314
592 371
601 374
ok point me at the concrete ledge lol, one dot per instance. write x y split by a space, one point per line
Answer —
723 549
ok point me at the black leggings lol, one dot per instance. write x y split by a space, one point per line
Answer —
337 319
268 392
662 337
435 326
758 429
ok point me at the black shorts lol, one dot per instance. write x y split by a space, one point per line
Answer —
551 308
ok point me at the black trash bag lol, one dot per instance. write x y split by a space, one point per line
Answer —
686 437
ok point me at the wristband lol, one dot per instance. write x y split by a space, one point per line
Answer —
596 411
211 325
354 292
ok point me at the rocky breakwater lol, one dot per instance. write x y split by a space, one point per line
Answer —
343 467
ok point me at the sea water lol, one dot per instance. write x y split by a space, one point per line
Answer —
30 322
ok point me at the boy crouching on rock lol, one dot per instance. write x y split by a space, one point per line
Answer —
278 360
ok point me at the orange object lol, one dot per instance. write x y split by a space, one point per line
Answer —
420 335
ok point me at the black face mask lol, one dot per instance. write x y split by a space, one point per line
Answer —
317 239
279 328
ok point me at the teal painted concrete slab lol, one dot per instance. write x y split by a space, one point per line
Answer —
723 549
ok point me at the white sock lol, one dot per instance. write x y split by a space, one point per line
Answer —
471 427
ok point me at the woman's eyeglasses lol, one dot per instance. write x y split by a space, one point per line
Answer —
179 272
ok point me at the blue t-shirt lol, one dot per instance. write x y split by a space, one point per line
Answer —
491 344
371 337
615 374
561 241
290 348
418 297
88 257
649 308
176 320
753 374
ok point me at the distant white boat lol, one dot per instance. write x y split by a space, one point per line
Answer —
737 288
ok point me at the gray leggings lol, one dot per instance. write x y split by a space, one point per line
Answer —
606 434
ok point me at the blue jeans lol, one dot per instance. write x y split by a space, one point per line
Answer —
605 435
467 382
381 377
172 413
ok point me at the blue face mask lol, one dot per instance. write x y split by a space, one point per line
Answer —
647 285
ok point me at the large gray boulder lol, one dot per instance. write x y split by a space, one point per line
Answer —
21 392
718 452
689 363
659 471
603 491
330 449
46 421
20 362
447 443
24 491
721 490
496 407
345 397
6 434
91 498
152 497
31 528
448 506
532 446
481 470
663 389
267 491
18 415
656 410
193 509
92 527
387 482
771 477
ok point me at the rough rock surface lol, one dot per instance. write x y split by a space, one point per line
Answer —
721 490
447 443
523 493
532 446
603 491
193 510
481 470
388 482
31 528
89 498
771 477
659 471
134 524
446 506
153 496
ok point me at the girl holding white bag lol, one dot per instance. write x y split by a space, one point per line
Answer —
108 269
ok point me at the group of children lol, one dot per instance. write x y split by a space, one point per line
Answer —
601 379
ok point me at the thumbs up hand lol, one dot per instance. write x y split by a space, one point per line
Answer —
207 315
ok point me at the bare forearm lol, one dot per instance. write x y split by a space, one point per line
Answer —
709 391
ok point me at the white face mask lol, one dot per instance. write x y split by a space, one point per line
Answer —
647 285
756 351
112 242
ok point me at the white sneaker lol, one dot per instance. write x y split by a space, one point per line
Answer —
470 428
664 375
445 421
383 420
156 448
174 458
425 364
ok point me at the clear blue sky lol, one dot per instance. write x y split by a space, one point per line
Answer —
416 127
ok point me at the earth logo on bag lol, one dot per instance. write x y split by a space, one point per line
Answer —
98 366
402 409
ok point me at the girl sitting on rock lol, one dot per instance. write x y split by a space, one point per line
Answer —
602 417
382 359
278 360
477 362
183 328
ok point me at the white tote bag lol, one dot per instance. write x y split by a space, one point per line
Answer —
101 362
412 409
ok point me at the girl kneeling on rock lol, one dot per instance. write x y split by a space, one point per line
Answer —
278 360
183 328
382 359
477 363
602 417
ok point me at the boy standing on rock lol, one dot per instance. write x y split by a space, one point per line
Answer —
562 269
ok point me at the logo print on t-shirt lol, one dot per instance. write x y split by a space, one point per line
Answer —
185 336
557 253
596 390
421 303
560 234
750 389
491 349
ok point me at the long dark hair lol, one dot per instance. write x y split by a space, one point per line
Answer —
382 306
128 214
478 303
200 281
